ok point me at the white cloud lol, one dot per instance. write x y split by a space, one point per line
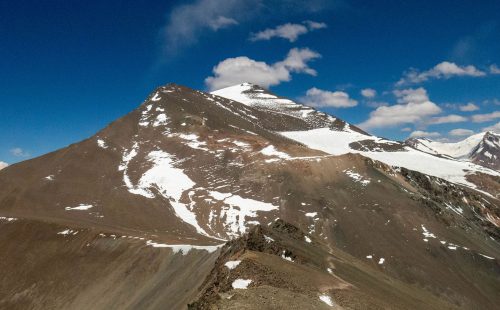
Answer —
414 108
3 164
19 152
406 129
323 98
481 118
221 22
494 101
452 118
469 107
494 128
287 31
494 69
443 70
368 92
187 22
418 95
421 134
314 25
243 69
376 104
459 132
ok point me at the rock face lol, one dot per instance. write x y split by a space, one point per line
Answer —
197 199
482 149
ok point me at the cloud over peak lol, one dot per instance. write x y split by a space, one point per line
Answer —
424 134
3 164
459 132
243 69
323 98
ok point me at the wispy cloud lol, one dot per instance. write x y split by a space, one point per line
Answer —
187 22
452 118
368 93
287 31
443 70
494 69
460 132
494 128
19 152
243 69
486 117
424 134
469 107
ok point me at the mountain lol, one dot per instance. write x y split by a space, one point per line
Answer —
482 149
241 199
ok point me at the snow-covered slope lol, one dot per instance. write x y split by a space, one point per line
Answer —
482 148
349 139
260 98
461 149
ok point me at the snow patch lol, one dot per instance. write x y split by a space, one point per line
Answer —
232 264
270 150
67 232
241 284
326 299
357 177
8 219
80 207
102 144
184 248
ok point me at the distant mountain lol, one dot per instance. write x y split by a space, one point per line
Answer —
482 149
241 199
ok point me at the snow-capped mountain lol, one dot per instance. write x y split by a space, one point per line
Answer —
243 199
482 148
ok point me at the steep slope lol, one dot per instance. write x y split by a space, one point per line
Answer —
482 149
149 202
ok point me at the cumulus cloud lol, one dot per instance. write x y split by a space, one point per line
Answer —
443 70
287 31
323 98
469 107
414 107
459 132
494 128
418 95
243 69
3 164
187 22
19 152
422 134
368 93
452 118
481 118
494 69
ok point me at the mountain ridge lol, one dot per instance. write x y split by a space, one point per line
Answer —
158 192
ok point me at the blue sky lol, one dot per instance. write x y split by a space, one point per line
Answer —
427 68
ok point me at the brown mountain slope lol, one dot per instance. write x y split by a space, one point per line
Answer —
189 170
